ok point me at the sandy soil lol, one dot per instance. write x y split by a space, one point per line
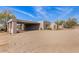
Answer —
42 41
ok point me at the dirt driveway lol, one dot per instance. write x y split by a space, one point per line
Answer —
42 41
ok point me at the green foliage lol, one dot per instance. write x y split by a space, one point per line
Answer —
47 25
5 16
70 23
59 22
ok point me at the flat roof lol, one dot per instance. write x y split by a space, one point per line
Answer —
26 21
23 21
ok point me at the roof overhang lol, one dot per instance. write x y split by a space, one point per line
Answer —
23 21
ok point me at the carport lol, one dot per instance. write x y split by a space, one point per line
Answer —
22 25
31 26
28 25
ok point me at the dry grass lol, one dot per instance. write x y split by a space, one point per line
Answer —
42 41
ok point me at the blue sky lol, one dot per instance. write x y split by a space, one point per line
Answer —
39 13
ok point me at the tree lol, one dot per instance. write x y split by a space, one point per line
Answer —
59 22
5 16
46 24
71 22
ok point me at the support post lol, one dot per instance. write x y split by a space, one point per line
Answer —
14 27
22 27
41 27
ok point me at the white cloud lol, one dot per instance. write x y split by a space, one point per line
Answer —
67 11
62 9
41 11
23 12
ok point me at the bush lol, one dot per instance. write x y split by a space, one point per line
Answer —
49 28
2 28
70 23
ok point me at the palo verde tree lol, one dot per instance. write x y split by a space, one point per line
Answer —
5 16
59 22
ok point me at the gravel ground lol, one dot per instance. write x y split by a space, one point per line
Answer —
41 41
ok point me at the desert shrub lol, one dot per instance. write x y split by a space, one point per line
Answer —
70 23
49 28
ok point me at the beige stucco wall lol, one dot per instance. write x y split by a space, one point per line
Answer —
12 24
41 27
53 26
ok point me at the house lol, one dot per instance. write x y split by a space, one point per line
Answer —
44 25
13 25
53 26
23 25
